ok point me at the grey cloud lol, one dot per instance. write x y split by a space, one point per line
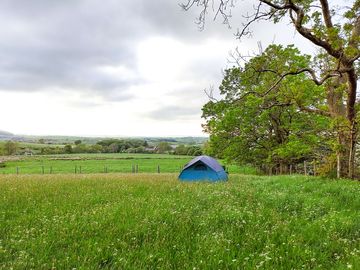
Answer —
60 44
167 113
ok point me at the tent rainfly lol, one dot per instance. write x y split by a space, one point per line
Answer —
203 168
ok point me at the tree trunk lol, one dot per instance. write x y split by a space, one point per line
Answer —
351 116
343 154
352 150
345 117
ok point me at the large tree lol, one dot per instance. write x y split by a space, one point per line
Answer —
336 31
262 123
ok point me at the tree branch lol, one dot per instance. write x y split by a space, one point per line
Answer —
328 75
258 16
314 110
284 104
210 94
326 13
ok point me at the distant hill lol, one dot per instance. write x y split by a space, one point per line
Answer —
6 133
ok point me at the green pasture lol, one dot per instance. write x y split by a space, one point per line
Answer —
100 163
151 221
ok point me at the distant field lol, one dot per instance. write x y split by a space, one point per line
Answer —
36 146
150 221
99 163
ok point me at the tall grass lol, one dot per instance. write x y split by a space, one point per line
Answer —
117 221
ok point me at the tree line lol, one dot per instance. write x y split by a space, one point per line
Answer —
102 146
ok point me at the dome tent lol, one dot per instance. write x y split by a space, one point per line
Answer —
203 168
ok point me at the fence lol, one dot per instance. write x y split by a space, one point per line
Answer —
305 168
83 169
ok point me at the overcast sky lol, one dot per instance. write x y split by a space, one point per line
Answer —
115 67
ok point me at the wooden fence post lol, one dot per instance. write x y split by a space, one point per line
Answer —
290 169
158 168
305 171
17 170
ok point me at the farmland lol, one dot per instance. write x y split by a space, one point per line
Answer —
100 163
152 221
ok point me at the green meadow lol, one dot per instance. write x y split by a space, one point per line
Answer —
153 221
100 163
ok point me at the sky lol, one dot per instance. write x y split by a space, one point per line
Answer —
115 68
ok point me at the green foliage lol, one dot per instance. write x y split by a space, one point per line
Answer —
68 149
10 148
77 142
52 150
121 146
258 122
79 148
163 147
156 222
181 150
188 150
194 151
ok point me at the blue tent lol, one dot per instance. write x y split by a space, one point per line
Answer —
203 168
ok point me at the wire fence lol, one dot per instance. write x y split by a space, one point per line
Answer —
86 168
144 166
83 169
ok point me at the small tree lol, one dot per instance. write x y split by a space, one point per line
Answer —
10 148
181 150
77 142
163 147
68 149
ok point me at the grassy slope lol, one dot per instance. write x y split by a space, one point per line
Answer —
151 221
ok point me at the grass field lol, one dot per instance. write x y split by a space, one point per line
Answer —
99 163
150 221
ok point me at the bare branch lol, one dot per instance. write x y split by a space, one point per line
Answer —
210 94
277 7
221 9
236 57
